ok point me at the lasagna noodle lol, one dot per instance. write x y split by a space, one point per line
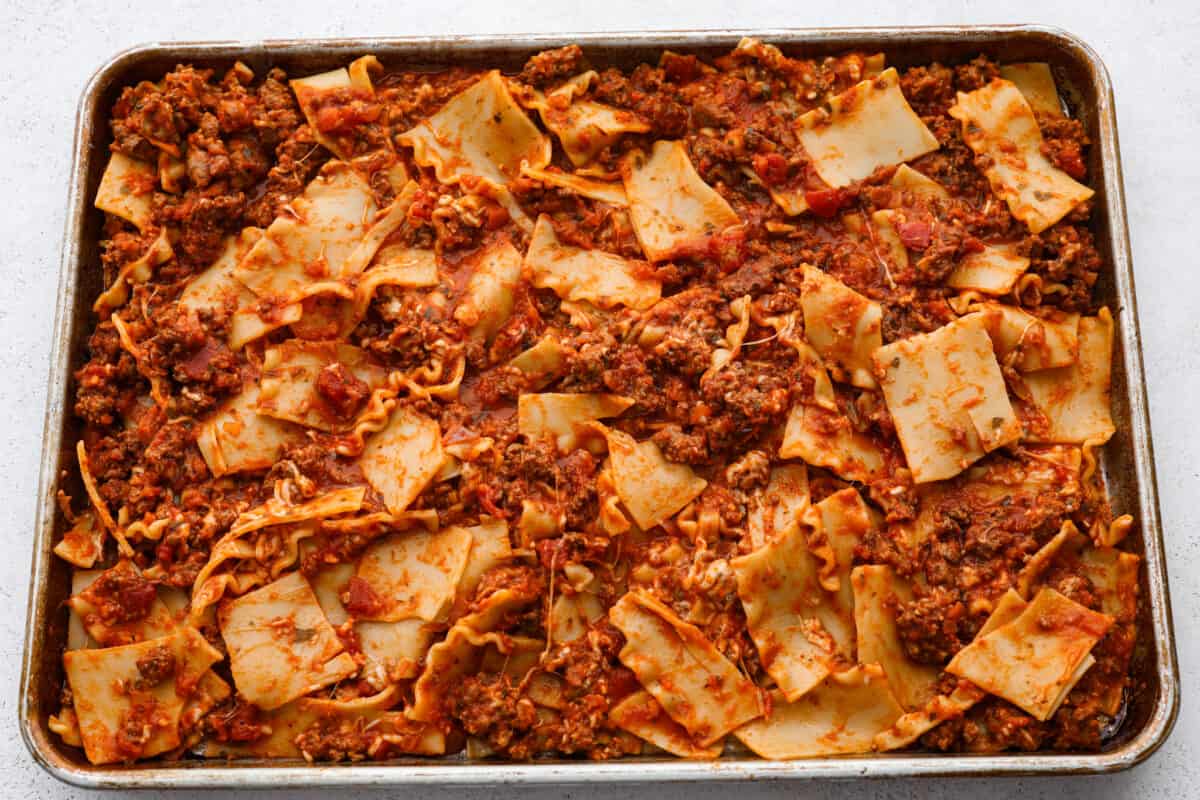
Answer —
462 652
779 509
842 715
993 270
1036 83
593 276
82 543
563 417
843 520
1029 342
103 710
481 132
650 487
877 594
415 574
88 604
488 300
140 270
802 631
385 729
1032 660
673 661
841 325
674 212
998 123
641 715
867 127
821 434
281 646
584 127
216 288
947 398
393 265
610 192
907 179
1000 485
289 390
1076 399
352 86
308 249
403 457
940 708
127 189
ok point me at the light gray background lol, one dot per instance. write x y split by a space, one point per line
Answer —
50 49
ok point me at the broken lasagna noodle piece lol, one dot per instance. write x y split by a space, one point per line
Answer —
666 410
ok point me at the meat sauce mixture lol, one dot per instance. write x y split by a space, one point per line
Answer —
237 149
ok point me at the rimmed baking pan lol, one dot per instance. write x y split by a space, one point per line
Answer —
1128 461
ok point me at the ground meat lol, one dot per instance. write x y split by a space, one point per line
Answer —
121 595
1065 142
929 626
750 472
929 90
975 74
137 727
681 447
341 390
747 399
489 707
553 66
237 721
156 666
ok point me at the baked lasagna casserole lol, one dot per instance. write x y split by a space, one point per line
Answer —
710 406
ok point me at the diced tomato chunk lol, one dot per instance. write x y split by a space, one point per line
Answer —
826 202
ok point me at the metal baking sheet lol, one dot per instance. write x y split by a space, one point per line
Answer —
1127 461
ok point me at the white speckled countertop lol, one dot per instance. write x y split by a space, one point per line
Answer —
1149 47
